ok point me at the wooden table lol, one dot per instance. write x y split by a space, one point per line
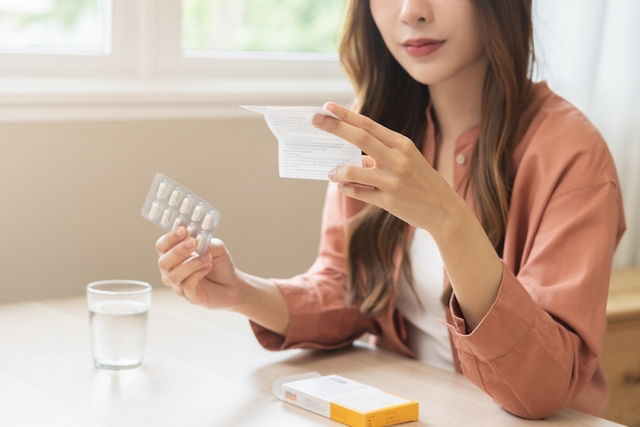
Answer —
203 368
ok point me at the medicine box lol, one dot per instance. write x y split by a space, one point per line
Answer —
349 402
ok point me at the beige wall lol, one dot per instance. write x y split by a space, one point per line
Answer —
72 193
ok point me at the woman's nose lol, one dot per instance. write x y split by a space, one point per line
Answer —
415 12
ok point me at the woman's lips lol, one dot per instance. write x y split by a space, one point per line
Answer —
422 48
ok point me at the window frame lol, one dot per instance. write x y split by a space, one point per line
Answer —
146 75
118 61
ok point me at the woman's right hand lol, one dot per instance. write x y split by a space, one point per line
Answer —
210 280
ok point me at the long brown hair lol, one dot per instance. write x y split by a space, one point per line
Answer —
506 29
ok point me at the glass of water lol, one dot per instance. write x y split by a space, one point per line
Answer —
118 321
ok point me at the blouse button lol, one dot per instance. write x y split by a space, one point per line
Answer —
460 158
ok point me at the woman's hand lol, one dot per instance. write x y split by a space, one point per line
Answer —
396 177
210 280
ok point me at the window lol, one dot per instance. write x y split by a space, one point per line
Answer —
168 55
55 26
210 26
161 38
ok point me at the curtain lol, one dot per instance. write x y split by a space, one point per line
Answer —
588 51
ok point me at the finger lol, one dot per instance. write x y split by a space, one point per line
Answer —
176 255
169 240
368 162
190 284
384 134
366 194
165 280
358 137
355 174
181 272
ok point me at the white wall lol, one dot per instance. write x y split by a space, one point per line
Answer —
71 195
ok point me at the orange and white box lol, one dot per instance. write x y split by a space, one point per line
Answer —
348 402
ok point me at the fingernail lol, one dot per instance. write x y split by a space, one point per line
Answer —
318 118
181 232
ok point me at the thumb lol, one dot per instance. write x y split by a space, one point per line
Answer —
217 248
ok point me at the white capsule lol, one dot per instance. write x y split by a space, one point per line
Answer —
202 241
176 223
163 189
175 197
154 211
191 229
207 222
198 212
185 207
166 217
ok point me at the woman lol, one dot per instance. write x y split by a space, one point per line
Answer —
476 181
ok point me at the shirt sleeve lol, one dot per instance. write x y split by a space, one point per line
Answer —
541 340
319 314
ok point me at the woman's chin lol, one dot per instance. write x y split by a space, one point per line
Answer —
427 77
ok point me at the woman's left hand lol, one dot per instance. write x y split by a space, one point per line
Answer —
396 177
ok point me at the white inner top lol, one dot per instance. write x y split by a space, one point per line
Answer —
427 337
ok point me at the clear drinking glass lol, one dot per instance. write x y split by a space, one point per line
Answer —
118 321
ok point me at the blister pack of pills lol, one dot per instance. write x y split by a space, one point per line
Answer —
170 205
